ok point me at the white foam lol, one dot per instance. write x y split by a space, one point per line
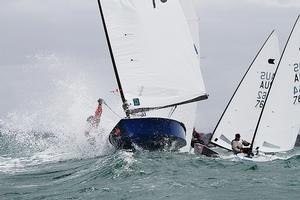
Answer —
68 98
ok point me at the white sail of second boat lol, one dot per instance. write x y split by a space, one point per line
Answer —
243 111
279 125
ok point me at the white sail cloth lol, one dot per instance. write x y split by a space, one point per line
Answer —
192 18
154 52
187 113
280 123
243 111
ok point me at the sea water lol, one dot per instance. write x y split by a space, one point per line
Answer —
40 165
45 155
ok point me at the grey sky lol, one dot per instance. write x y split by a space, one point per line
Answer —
232 31
53 53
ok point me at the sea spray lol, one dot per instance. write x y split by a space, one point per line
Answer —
49 124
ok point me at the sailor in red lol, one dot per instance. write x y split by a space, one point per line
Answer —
98 113
93 121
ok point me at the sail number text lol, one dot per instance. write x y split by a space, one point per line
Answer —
296 90
265 84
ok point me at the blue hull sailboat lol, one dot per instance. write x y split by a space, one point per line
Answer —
148 133
156 63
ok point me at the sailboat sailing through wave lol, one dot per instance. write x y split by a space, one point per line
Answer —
275 126
243 110
156 64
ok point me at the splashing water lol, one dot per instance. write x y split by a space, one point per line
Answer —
49 127
45 155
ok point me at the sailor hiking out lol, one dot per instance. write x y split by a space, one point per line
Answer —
238 146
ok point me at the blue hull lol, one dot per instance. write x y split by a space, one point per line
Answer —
148 133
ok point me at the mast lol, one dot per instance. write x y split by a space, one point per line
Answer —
146 43
261 114
112 58
238 88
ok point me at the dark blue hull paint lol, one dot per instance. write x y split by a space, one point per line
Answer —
148 133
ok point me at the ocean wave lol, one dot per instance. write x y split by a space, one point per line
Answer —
22 149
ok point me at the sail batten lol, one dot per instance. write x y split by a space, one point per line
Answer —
154 52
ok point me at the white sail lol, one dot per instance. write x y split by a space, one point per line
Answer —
153 51
243 111
193 21
280 123
187 113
